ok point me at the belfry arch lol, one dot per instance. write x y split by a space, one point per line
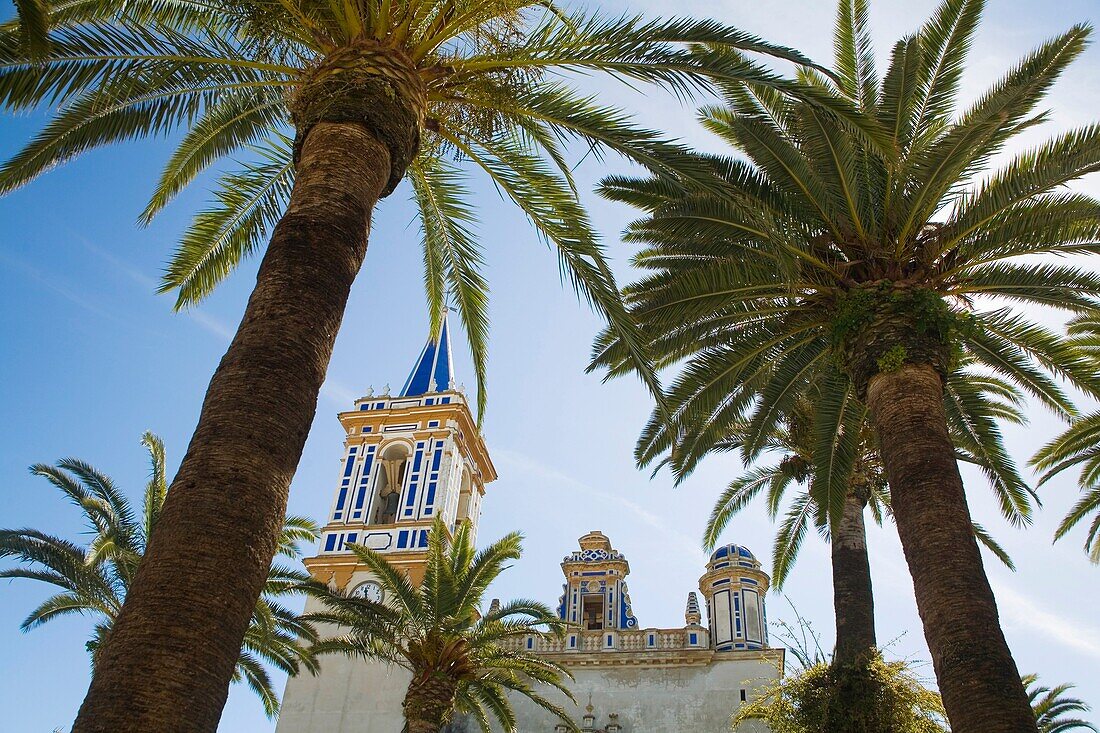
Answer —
393 464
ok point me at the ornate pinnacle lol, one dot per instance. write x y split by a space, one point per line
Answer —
691 613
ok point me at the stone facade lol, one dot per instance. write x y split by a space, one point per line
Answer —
411 457
647 695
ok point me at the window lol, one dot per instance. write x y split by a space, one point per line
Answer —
465 496
752 616
390 480
592 607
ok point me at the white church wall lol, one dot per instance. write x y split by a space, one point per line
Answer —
673 699
348 696
354 696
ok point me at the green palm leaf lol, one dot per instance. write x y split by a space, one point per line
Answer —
96 578
437 630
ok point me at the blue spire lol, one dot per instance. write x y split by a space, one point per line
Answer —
434 364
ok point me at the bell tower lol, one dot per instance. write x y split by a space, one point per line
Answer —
407 459
594 596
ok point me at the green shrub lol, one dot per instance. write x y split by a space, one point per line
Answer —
878 697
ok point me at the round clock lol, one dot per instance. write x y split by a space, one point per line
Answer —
370 590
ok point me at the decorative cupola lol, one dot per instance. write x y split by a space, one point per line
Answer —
734 587
407 459
595 595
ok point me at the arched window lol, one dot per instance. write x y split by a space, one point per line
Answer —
465 497
393 463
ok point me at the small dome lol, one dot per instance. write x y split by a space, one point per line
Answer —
734 553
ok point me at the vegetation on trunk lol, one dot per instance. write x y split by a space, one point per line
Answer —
95 578
327 107
463 660
886 256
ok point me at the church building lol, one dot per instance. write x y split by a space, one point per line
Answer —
419 454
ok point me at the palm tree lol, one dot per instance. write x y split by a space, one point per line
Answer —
458 656
1079 445
330 105
970 398
853 598
883 252
95 579
1051 704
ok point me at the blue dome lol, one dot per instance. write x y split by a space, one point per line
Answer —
735 553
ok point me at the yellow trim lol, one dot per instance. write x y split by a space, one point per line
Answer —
471 442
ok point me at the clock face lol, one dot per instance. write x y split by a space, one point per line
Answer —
370 590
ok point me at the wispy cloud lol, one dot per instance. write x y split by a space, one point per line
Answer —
332 390
1019 610
55 285
147 284
526 465
118 264
210 323
338 393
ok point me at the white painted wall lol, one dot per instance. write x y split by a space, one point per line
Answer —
354 696
348 696
673 699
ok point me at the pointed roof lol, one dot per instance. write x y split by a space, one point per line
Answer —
432 372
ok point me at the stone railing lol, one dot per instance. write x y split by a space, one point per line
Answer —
634 640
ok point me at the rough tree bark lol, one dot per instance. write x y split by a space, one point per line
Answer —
978 679
428 702
853 598
168 663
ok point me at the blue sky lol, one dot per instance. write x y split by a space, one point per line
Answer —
92 357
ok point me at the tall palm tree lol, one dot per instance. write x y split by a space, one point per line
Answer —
853 597
1079 445
1051 705
439 633
970 398
95 578
330 105
884 253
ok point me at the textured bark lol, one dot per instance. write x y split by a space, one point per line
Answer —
427 703
168 663
853 599
977 676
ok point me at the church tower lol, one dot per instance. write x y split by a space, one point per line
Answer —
594 597
407 459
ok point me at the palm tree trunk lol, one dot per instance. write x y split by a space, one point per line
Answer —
853 599
167 664
427 703
978 679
